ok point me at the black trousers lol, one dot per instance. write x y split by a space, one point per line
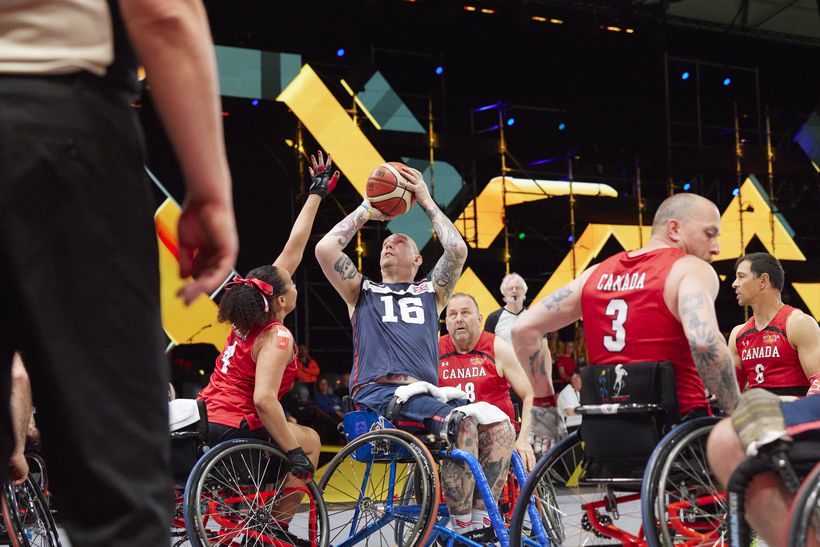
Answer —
79 273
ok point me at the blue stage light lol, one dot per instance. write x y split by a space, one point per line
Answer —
727 81
569 239
687 187
340 52
685 75
562 126
736 191
439 70
510 121
255 102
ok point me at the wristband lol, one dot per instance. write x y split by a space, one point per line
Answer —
545 402
814 384
366 209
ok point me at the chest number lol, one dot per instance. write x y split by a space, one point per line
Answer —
759 373
411 310
226 356
617 309
469 389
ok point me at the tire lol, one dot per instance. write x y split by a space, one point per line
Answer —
805 510
683 502
29 522
364 507
232 494
559 484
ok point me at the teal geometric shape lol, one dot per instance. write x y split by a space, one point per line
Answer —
765 195
415 223
255 74
386 106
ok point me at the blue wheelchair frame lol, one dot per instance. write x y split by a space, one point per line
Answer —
361 422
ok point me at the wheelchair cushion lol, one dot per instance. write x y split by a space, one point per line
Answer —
619 445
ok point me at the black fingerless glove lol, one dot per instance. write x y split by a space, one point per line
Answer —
301 467
322 183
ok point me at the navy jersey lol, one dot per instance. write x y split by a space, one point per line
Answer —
395 331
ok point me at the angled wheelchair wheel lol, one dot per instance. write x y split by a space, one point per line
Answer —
240 493
804 521
27 516
683 502
574 509
381 489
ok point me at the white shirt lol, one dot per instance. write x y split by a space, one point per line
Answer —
55 37
503 329
569 398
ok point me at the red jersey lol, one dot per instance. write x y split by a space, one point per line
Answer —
766 356
229 394
626 319
474 372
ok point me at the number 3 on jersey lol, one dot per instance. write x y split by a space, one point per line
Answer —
617 308
411 310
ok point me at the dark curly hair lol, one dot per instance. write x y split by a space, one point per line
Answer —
243 305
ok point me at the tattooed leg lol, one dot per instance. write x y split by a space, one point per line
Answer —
495 445
456 478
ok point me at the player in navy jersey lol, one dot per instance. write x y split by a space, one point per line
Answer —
395 340
778 348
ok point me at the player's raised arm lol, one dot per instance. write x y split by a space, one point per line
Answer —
696 309
511 370
322 183
448 269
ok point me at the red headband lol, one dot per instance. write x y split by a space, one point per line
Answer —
254 283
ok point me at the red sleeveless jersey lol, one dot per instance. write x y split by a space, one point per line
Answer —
766 356
229 394
626 319
474 372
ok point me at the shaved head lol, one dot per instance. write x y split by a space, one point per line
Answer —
679 207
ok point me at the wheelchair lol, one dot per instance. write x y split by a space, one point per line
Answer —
230 494
27 519
383 487
592 485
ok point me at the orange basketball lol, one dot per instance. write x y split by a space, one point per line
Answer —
384 192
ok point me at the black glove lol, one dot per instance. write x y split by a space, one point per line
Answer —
301 468
322 183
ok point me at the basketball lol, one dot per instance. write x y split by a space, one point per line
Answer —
384 192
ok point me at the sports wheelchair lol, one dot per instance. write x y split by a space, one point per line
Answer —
383 487
229 494
27 519
593 483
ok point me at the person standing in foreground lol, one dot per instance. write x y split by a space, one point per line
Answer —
778 348
653 304
395 334
78 245
486 367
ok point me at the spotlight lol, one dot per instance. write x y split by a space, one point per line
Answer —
539 18
255 102
510 121
687 187
736 191
684 76
522 235
562 126
727 81
570 239
439 70
340 52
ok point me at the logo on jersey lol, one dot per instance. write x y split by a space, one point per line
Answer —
759 353
445 363
477 361
625 282
620 383
771 338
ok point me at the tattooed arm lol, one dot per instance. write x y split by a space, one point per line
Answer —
448 268
336 265
553 312
696 294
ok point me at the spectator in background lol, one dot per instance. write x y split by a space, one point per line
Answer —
328 401
307 369
568 399
565 363
343 390
514 290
